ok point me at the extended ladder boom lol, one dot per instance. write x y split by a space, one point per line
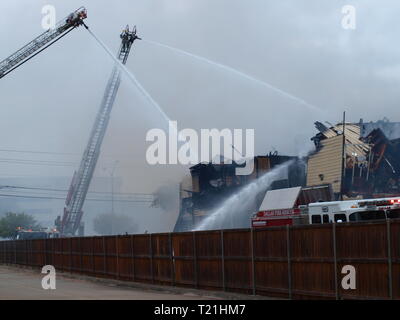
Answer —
71 220
43 41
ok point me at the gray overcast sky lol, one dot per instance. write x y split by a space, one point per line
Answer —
298 46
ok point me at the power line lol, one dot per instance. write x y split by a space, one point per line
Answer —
38 162
50 163
57 198
65 190
59 153
40 152
62 196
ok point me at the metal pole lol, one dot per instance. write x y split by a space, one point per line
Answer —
52 251
62 254
223 261
15 252
133 257
45 252
335 260
343 156
93 265
117 252
104 256
112 202
253 272
80 254
151 258
171 254
390 271
70 255
289 261
196 278
112 196
26 252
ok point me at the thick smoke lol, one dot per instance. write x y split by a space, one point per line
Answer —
167 198
108 223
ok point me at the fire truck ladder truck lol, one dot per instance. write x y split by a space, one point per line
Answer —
43 41
71 220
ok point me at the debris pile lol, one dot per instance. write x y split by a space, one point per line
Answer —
371 153
211 184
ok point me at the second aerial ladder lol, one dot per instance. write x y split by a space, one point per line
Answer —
71 219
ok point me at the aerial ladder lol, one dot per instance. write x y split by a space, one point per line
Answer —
43 41
71 220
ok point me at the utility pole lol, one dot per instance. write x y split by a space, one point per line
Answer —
343 156
112 196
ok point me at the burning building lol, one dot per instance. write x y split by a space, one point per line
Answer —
359 160
210 184
355 160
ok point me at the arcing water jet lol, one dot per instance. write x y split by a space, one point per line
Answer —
239 73
238 203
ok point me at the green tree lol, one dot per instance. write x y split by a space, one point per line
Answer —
11 221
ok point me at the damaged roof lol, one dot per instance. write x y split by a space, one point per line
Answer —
390 129
354 145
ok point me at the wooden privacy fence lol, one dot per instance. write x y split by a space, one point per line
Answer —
299 262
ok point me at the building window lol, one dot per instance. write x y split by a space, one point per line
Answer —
340 217
325 218
367 215
315 218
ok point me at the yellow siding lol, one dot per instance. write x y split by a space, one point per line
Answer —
353 142
328 161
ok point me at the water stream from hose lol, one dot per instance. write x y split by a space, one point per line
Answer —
237 204
238 73
130 75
